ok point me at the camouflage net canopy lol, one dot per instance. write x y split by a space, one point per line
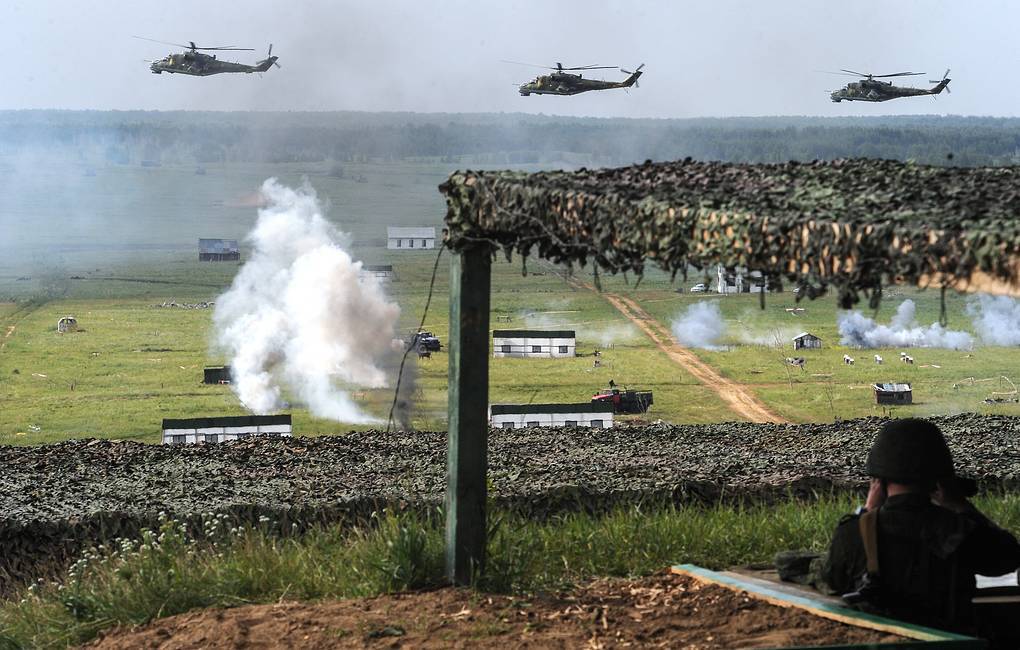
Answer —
854 224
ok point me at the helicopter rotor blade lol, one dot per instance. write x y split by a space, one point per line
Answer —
142 38
228 47
591 67
533 65
899 74
859 74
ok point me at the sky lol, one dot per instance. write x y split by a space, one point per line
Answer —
711 58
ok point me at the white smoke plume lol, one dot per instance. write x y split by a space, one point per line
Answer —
996 319
299 318
700 326
857 330
607 334
612 334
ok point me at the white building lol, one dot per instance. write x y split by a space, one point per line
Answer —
418 238
533 344
221 429
378 271
585 414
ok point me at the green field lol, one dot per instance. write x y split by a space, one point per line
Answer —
135 363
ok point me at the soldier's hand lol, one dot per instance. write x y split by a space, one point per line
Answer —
876 495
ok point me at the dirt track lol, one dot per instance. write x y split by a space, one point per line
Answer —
740 400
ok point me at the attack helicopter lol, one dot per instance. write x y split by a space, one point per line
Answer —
562 82
194 61
868 89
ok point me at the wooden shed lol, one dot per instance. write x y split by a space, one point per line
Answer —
218 250
819 226
893 394
806 341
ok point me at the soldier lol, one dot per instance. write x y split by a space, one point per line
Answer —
914 549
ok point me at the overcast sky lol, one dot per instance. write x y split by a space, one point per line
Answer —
703 57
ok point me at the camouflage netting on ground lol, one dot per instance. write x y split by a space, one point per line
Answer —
56 499
854 224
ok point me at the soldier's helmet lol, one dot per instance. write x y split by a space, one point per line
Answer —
910 450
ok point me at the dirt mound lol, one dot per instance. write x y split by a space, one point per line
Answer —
658 611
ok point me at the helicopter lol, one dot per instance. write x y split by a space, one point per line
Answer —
870 90
195 62
561 82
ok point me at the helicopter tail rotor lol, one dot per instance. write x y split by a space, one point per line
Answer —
632 80
941 84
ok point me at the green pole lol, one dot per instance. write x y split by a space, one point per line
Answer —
467 442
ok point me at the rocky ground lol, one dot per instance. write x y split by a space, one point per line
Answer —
99 489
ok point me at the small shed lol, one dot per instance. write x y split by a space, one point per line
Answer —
806 341
67 324
534 344
893 394
218 250
221 429
413 238
379 271
597 415
216 375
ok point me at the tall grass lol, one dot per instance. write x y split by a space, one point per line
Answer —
166 573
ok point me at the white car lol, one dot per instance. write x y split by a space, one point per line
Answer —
699 288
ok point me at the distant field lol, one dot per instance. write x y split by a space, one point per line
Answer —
135 363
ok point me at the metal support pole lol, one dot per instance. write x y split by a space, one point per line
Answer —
467 446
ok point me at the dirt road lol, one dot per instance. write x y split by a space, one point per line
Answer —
10 330
740 400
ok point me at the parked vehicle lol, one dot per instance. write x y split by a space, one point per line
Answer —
625 401
699 288
426 342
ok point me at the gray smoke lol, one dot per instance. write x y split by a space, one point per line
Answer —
996 319
700 326
859 331
300 317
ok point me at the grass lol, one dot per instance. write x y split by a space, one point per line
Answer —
165 573
147 361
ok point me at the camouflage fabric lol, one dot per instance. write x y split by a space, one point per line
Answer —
853 224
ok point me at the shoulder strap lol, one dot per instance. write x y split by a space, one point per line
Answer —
868 524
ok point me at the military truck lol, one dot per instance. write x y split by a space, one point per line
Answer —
624 401
426 342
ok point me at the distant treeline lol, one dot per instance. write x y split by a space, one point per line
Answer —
497 139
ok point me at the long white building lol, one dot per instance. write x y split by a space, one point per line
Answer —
584 414
534 344
417 238
221 429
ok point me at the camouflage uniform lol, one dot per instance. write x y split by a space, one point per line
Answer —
928 557
927 554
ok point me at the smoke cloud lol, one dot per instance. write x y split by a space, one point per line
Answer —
606 334
857 330
996 319
299 317
700 326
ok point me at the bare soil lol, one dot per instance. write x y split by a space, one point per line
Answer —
741 401
664 610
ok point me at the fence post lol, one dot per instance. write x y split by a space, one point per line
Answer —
468 393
